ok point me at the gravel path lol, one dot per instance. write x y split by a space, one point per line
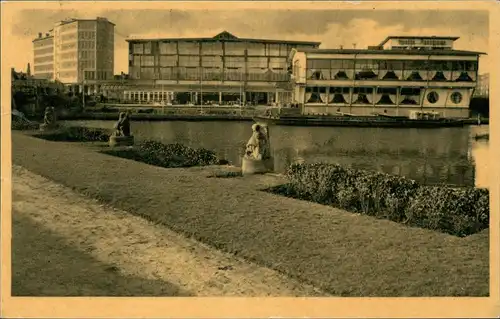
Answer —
138 248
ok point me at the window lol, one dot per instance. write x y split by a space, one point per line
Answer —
147 48
456 97
138 48
189 48
169 60
211 48
234 48
211 61
148 60
433 97
273 49
234 62
137 60
189 60
318 64
256 49
168 48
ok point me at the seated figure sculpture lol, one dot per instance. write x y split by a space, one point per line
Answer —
121 136
257 158
49 119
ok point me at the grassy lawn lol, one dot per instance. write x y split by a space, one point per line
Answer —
339 252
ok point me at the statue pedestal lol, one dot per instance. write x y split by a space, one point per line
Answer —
48 127
251 166
121 141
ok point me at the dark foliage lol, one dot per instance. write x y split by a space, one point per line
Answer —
457 211
168 155
76 134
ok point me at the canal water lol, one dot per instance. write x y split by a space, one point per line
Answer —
430 156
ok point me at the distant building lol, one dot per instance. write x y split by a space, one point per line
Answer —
219 70
400 76
483 85
76 50
43 53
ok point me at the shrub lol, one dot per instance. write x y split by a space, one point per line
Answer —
168 155
457 211
76 134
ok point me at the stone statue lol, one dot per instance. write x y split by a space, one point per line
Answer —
49 116
257 158
122 126
49 119
121 136
258 144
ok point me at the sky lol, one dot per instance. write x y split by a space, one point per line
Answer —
332 28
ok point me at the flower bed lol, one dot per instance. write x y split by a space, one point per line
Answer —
76 134
168 155
456 211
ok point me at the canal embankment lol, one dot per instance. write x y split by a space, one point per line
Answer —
338 252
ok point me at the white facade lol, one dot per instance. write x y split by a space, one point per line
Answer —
391 82
82 49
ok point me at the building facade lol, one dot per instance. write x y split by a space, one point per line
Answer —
400 76
219 70
81 50
483 85
43 56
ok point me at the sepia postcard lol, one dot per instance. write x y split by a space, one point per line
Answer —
226 159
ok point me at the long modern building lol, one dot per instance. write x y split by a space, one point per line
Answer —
400 76
218 70
76 50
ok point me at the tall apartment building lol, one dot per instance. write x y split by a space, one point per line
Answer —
82 49
43 54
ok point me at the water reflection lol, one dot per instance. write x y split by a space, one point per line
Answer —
431 156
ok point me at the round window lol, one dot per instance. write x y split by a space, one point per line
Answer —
432 97
456 97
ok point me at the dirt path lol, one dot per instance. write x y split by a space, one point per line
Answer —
141 249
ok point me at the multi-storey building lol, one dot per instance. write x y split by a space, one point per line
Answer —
43 56
82 49
483 85
216 70
397 77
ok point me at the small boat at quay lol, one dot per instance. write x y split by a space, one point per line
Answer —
419 120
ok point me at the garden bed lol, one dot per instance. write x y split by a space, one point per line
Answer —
456 211
167 155
75 134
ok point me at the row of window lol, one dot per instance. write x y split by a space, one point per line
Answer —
210 48
47 67
410 75
365 96
208 74
370 64
44 59
46 50
43 43
211 61
82 44
97 75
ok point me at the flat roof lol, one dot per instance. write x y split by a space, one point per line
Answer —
63 22
418 37
225 36
392 51
43 38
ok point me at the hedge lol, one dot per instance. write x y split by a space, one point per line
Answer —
456 211
76 134
168 155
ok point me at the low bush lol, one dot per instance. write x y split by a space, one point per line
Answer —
76 134
457 211
168 155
